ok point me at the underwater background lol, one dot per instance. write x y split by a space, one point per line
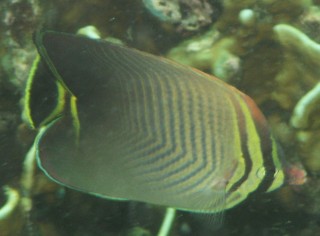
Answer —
268 49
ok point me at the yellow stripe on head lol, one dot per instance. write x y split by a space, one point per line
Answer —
26 113
279 174
75 117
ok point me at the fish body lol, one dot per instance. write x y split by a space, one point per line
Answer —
122 124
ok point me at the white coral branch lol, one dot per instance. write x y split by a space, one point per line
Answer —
304 107
11 203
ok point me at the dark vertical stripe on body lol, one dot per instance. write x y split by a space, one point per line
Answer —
266 149
244 144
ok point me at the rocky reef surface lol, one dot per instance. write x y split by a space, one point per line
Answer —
269 49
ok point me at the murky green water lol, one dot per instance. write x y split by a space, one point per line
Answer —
268 49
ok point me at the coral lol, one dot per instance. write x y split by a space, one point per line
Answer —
310 22
209 53
164 10
269 49
306 105
90 32
10 220
167 222
11 204
309 146
19 20
190 14
301 60
247 17
299 90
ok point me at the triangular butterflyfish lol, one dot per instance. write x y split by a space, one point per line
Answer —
123 124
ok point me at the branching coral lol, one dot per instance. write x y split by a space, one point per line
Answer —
306 105
9 219
300 68
11 204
